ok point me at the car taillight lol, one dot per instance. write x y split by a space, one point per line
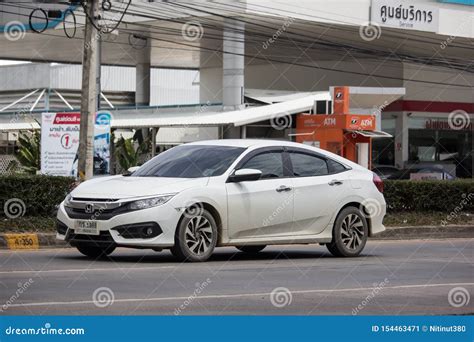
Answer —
378 182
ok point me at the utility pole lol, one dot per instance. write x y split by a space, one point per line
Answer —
90 61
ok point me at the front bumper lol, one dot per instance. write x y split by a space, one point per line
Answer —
163 221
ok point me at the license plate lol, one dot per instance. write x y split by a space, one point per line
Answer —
86 227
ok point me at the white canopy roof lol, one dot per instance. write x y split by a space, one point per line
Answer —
201 116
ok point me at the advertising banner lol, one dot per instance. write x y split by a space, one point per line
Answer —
102 143
60 143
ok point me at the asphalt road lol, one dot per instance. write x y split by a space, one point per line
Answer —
392 277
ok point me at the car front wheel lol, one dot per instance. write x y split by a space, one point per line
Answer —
350 233
196 237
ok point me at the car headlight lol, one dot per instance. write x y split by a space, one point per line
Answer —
67 200
149 202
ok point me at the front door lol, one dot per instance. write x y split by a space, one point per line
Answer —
264 207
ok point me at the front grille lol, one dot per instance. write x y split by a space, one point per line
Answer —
100 214
104 238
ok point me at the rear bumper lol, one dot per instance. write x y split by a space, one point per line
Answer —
376 221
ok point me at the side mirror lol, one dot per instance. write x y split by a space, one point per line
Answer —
243 175
130 170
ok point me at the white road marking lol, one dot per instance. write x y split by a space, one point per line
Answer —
89 269
240 295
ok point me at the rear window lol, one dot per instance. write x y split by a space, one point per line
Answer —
335 167
307 165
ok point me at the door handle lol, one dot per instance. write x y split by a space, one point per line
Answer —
335 182
282 188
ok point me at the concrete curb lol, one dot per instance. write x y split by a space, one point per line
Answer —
33 241
30 241
426 232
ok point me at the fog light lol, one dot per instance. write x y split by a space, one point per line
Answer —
143 230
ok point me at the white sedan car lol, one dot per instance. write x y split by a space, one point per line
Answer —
243 193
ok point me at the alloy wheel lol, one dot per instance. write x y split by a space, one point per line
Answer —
198 235
352 231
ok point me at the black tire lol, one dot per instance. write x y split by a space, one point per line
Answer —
184 244
349 240
251 249
95 252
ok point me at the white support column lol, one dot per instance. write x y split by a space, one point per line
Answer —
142 78
401 139
233 64
233 70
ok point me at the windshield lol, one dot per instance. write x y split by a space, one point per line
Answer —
190 161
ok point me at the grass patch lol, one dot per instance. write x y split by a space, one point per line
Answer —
28 224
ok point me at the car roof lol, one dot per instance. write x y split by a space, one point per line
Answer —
246 142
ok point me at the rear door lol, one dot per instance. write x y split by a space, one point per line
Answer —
319 185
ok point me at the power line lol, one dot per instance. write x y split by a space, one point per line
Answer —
282 61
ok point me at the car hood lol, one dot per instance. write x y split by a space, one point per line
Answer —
117 187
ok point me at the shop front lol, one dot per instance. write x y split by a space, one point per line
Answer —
432 140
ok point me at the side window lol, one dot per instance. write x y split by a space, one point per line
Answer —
335 167
270 163
306 165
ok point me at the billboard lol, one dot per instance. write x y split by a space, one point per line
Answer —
60 143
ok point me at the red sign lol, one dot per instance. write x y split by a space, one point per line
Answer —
67 119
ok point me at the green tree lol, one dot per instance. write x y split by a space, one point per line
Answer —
127 154
29 152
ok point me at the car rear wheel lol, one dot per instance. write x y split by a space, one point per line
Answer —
251 249
350 233
95 251
196 237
